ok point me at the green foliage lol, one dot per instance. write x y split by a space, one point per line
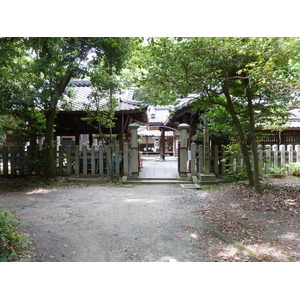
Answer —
232 149
219 125
276 171
27 127
37 70
12 242
251 78
295 167
241 176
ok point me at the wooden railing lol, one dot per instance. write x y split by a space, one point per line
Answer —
222 164
94 161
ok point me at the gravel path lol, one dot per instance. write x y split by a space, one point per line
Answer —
113 223
149 223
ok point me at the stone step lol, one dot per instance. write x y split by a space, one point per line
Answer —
161 178
159 181
88 180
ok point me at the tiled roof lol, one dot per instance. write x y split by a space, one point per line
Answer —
81 90
294 118
158 115
184 102
143 131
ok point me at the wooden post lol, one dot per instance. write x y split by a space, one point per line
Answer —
69 160
275 152
60 160
93 161
109 162
29 160
268 158
297 148
223 162
13 161
77 137
206 148
174 144
282 156
122 133
36 159
91 140
21 162
200 159
117 163
216 160
77 161
162 147
147 144
260 156
5 160
85 161
125 159
101 158
290 156
193 159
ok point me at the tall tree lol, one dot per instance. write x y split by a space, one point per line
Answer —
243 75
50 64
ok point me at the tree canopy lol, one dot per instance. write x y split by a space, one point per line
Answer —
251 78
36 72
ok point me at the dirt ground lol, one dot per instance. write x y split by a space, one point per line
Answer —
147 223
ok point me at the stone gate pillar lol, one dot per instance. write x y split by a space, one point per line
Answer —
134 157
183 168
207 175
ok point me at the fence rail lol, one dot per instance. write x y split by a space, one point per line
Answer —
222 164
94 161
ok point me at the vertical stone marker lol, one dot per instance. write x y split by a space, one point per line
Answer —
206 176
183 129
134 160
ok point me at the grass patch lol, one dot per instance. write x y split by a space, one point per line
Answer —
13 243
210 187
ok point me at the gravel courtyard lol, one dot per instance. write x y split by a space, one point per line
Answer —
150 223
109 223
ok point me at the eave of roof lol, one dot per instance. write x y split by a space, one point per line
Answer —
82 90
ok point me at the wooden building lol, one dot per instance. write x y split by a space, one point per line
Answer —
70 124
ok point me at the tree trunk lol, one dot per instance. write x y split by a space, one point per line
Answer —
48 157
253 138
243 140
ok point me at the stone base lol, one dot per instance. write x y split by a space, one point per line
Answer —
190 186
184 178
124 179
207 177
195 179
134 175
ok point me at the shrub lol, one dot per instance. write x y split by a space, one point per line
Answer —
277 171
12 242
295 167
241 176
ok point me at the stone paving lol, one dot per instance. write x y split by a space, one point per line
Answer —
156 169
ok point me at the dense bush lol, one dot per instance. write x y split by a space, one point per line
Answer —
295 168
13 243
